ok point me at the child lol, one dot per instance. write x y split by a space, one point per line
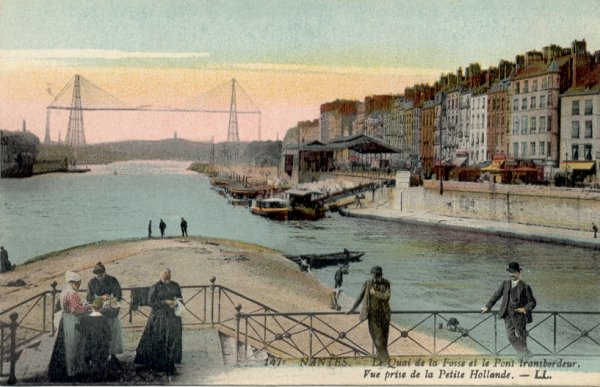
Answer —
95 339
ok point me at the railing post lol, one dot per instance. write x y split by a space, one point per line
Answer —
434 333
238 315
52 310
495 334
554 350
265 327
44 314
212 300
131 306
12 379
310 338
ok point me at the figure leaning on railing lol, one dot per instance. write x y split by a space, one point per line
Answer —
516 307
375 297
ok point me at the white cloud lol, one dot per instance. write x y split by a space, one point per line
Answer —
97 54
365 71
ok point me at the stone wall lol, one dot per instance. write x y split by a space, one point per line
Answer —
538 205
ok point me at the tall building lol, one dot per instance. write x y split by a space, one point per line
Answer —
580 122
478 134
337 118
309 131
427 143
498 118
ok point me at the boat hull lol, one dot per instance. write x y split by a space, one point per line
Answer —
317 261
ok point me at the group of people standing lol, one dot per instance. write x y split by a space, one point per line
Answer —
517 303
89 333
162 226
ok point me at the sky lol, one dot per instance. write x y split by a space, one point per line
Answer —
288 56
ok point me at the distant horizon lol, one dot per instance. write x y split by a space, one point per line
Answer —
289 56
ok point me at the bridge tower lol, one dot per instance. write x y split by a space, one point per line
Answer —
47 139
232 132
75 134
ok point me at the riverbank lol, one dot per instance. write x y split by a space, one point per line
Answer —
535 233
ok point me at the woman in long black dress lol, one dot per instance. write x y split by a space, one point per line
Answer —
160 346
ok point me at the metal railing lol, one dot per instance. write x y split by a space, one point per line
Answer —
423 333
260 330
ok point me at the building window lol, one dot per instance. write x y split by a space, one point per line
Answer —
587 151
532 127
575 152
549 126
542 101
516 149
549 100
589 110
588 129
516 104
523 149
542 148
542 124
524 125
532 104
517 87
516 125
548 148
526 87
532 150
575 129
534 85
544 84
524 104
575 108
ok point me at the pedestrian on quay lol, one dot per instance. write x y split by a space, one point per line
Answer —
107 288
375 296
5 264
516 307
183 227
339 276
150 229
595 229
160 347
67 361
162 226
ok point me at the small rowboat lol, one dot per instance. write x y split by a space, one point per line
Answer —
317 261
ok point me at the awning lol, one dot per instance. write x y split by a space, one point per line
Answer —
495 166
578 165
459 161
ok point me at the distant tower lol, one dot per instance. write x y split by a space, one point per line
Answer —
47 136
232 132
24 126
75 134
175 135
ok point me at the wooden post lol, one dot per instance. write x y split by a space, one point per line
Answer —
12 379
53 309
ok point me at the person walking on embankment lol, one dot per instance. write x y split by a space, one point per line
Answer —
162 226
150 229
375 297
183 225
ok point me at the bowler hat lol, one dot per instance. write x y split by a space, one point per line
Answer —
377 270
514 267
99 268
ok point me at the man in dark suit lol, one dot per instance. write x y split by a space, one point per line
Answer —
516 307
375 299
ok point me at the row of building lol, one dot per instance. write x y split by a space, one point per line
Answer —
544 107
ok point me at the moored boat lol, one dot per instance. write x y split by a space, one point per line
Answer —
272 208
317 261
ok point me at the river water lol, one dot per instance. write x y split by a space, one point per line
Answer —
429 268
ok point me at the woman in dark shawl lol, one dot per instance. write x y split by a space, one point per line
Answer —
160 346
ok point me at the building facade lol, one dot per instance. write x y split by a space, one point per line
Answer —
498 118
477 148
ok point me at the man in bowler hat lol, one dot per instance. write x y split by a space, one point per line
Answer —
375 296
516 307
